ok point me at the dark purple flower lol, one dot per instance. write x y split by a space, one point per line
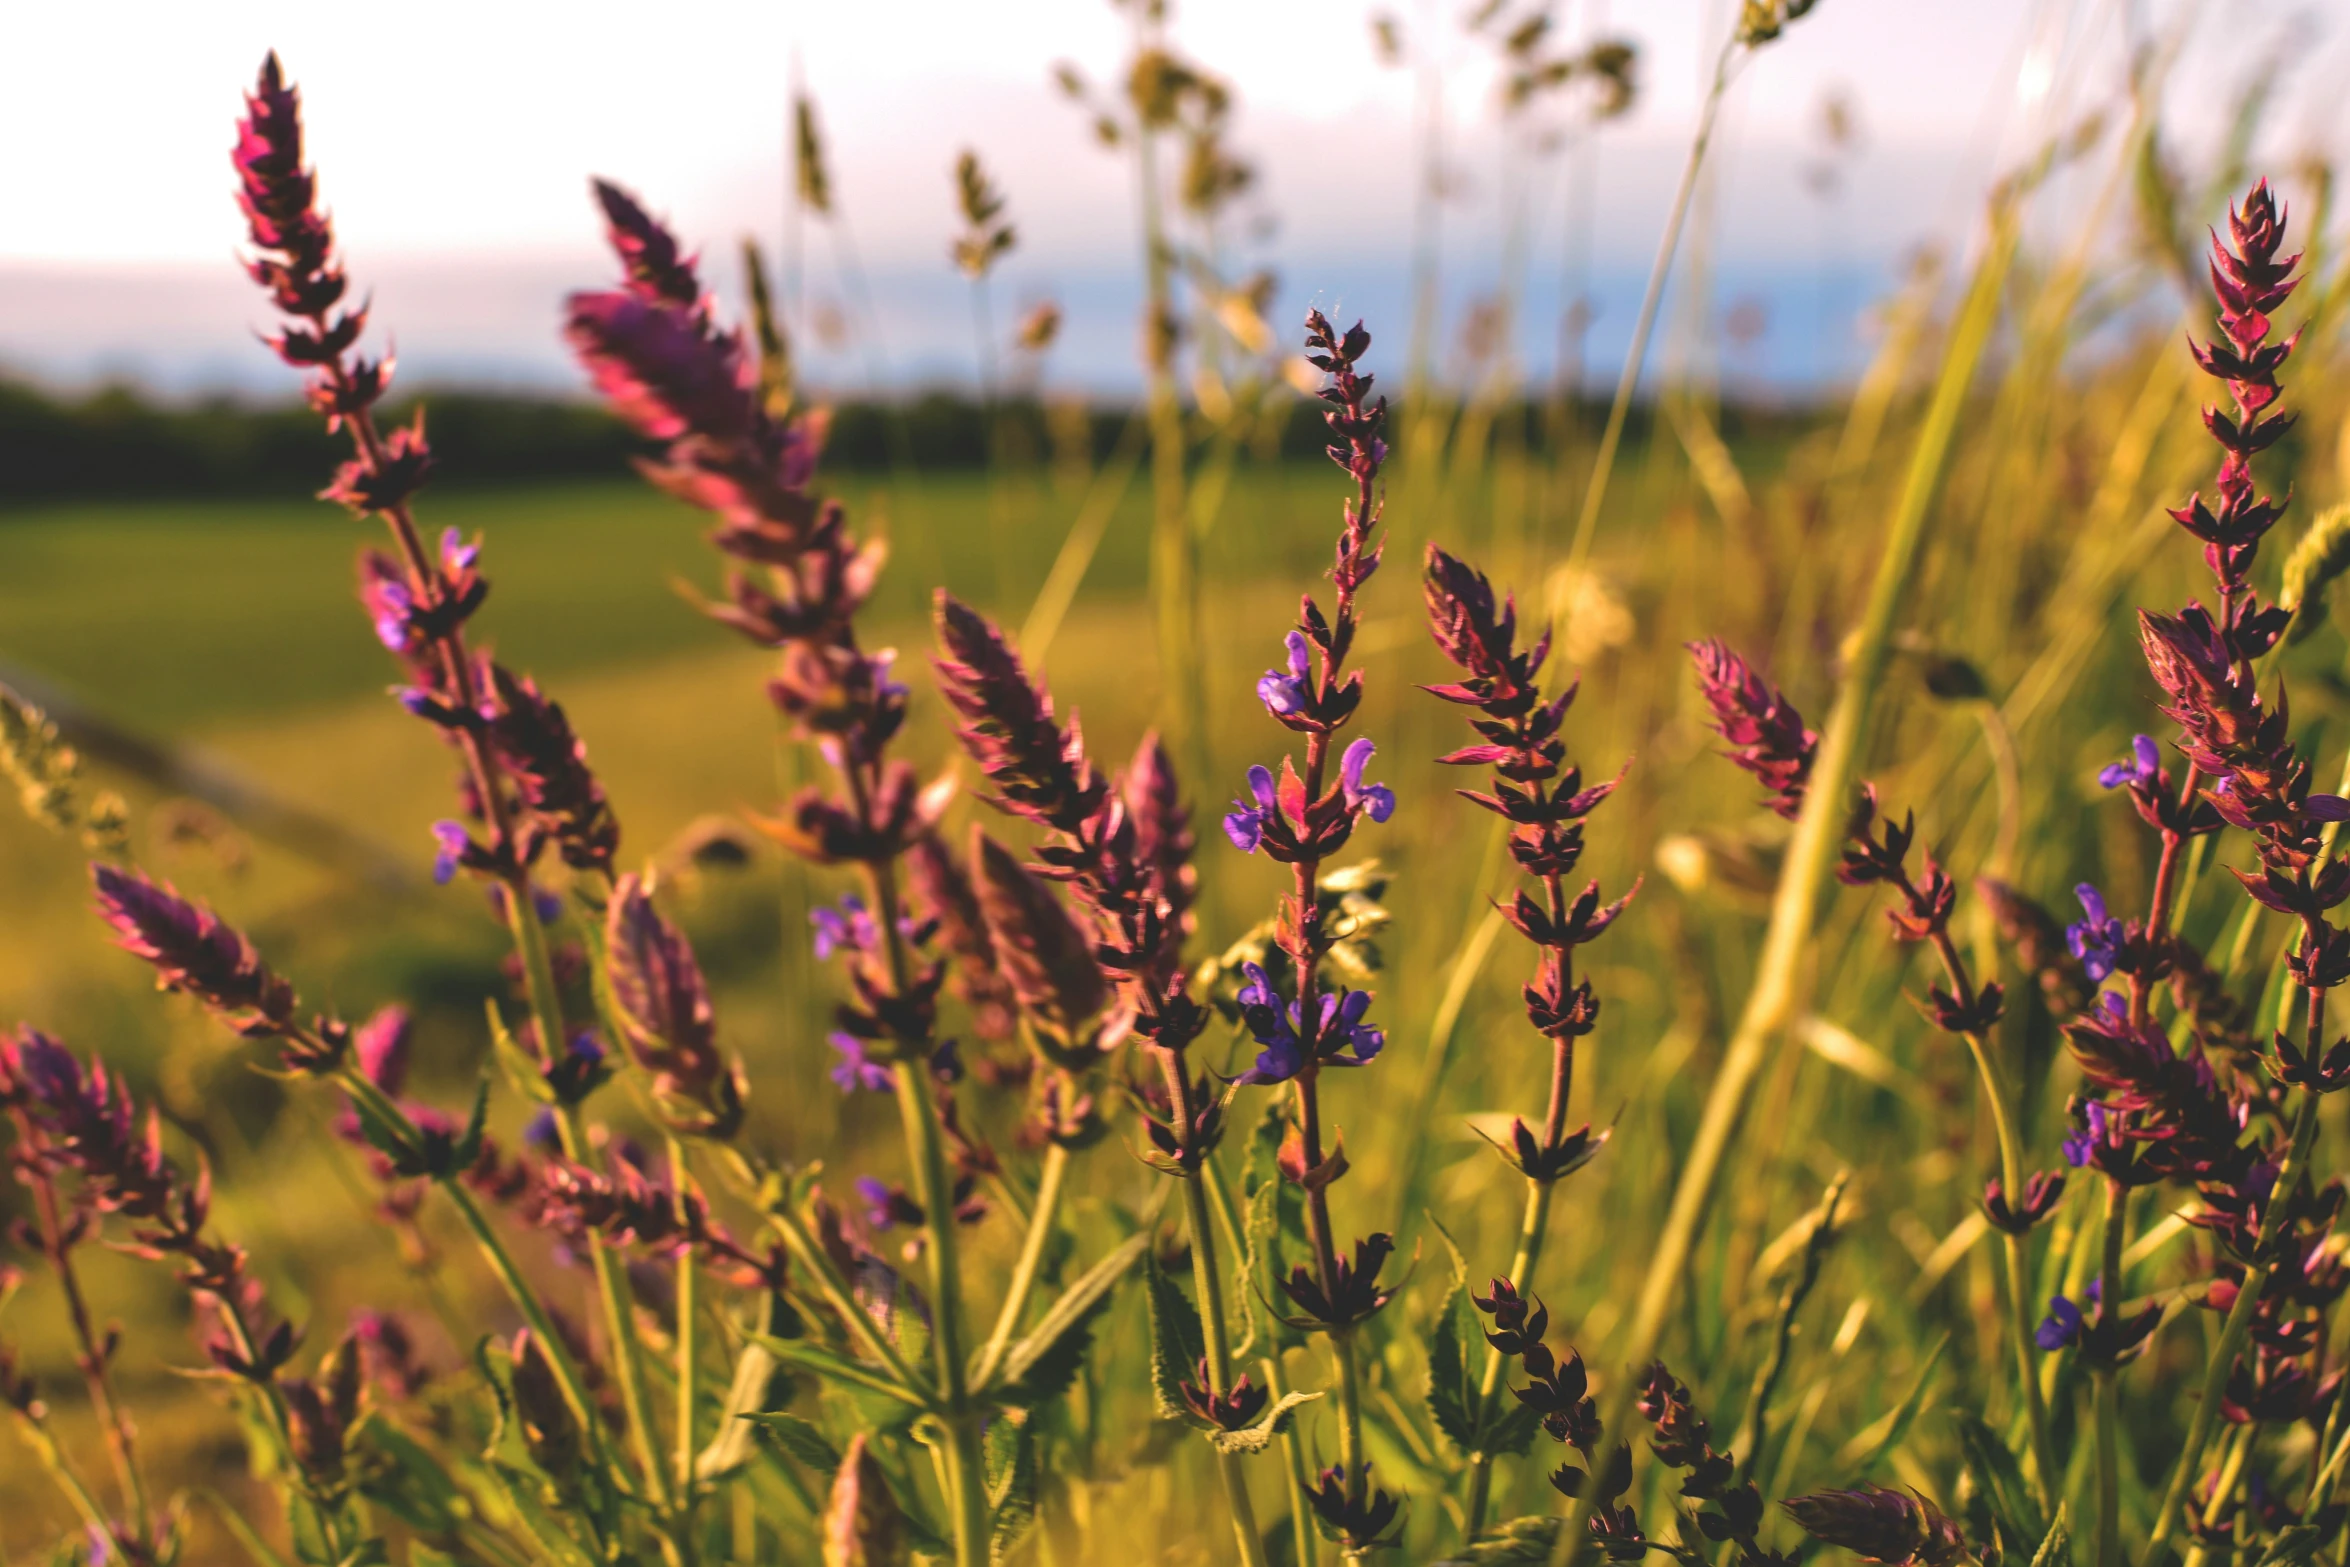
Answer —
192 949
542 1132
663 1006
1376 800
1338 1027
1767 735
844 927
2096 939
1879 1525
856 1069
887 1206
455 845
1244 824
2061 1328
1284 694
2143 766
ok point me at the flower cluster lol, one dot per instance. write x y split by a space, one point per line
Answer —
1543 799
1898 1528
1730 1509
1767 736
1558 1395
663 1007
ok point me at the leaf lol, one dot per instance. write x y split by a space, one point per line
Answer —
407 1481
760 1383
1256 1438
1998 1476
2051 1550
1514 1432
1873 1446
1176 1347
1042 1365
468 1148
385 1135
1011 1485
2294 1544
1522 1542
520 1068
798 1436
837 1368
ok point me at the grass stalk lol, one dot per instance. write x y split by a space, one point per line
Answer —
1770 1002
1043 1216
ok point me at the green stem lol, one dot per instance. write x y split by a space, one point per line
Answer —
1603 465
1350 1421
966 1470
2045 1479
686 1380
1215 1337
1530 1233
1817 832
843 1300
1044 1215
1303 1539
620 1327
2232 1336
2106 1548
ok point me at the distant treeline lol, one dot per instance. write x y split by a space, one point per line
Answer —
117 444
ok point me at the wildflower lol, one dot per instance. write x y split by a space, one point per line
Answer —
2042 1191
1374 800
548 767
1046 958
456 848
856 1069
1037 766
657 269
380 1047
846 927
663 1007
1767 735
192 950
1244 824
1354 1294
1880 1525
1357 1509
2142 767
1286 694
1339 1036
2097 938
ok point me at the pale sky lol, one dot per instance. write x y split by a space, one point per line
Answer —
454 139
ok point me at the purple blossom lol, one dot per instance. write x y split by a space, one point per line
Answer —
1245 823
542 1132
2097 939
1338 1026
1376 799
2061 1328
457 556
393 609
454 841
844 927
2142 766
856 1069
2080 1147
1284 694
887 1206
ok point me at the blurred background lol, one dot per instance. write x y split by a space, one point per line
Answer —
1485 181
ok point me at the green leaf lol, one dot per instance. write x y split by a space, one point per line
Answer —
1453 1402
836 1368
1176 1344
1522 1542
1011 1485
469 1145
1998 1476
406 1480
1874 1445
2051 1550
798 1436
385 1135
1256 1438
760 1383
519 1067
2294 1544
1514 1431
1041 1366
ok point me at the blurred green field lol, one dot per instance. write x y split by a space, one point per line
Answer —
230 630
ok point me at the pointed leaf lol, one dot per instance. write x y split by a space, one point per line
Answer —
1874 1445
1256 1438
519 1066
1042 1365
1011 1485
1176 1344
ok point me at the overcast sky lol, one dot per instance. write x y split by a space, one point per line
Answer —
454 139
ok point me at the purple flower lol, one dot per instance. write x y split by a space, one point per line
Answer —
1338 1026
856 1069
2061 1328
454 841
381 1044
1245 823
845 927
457 556
393 609
541 1132
1376 799
2142 766
2080 1147
2097 939
1284 694
887 1206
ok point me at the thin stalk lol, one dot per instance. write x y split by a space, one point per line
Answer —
966 1472
2237 1327
45 1445
2107 1546
1042 1217
1817 832
2223 1492
1530 1233
912 1386
1603 465
1174 557
620 1327
686 1380
1304 1542
1215 1335
2001 1098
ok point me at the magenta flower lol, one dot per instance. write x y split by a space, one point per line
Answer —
844 927
456 848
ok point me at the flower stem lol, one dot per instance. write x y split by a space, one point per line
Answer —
2106 1548
966 1474
1350 1424
1041 1220
2235 1330
1530 1233
1215 1336
682 1178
